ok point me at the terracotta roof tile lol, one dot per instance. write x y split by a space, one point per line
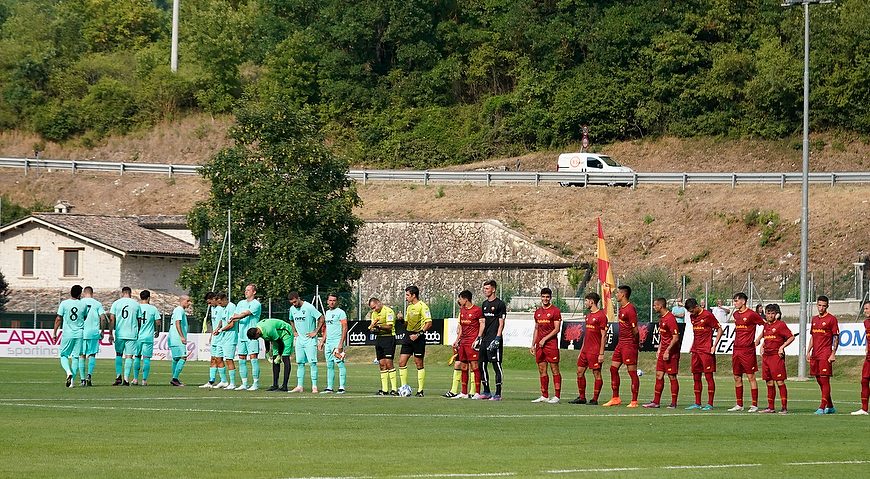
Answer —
121 232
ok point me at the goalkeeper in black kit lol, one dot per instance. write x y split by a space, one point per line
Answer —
490 341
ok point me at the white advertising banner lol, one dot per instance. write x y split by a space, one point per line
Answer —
38 343
852 340
516 332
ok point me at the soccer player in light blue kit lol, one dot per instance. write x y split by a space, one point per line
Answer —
91 335
332 344
228 334
148 317
124 319
217 351
178 339
72 312
306 321
247 314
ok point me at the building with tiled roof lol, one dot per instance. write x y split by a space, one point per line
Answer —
58 250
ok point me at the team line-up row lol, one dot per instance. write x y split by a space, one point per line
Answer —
237 329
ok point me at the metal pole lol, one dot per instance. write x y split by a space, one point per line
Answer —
173 61
229 258
650 301
805 200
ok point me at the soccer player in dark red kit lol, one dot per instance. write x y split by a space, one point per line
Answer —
470 326
703 352
743 359
865 372
626 349
822 351
548 321
668 355
776 337
592 353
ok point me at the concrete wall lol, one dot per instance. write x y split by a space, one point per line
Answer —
97 267
444 242
153 273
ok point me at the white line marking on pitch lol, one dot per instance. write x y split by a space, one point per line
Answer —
7 402
711 466
608 469
824 463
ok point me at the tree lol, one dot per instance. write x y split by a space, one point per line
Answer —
292 206
4 292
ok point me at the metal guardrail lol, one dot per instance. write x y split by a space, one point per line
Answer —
479 177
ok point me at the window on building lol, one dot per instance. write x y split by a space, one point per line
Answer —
28 256
71 262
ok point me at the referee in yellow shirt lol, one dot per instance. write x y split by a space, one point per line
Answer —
384 327
418 319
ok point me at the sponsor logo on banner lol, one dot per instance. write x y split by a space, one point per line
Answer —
358 333
38 343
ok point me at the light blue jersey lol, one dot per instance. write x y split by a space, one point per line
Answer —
126 312
91 328
334 317
217 317
231 335
304 318
147 317
250 320
179 316
73 312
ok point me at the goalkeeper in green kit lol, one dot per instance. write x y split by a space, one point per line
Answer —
279 343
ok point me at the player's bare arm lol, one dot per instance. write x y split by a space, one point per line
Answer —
716 342
320 323
57 322
674 341
601 350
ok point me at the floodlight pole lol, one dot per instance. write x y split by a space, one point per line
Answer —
173 61
805 196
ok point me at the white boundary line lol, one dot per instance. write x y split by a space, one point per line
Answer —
12 403
599 469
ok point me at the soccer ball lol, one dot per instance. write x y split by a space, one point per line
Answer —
639 372
405 391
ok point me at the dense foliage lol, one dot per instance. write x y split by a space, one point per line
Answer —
292 224
420 83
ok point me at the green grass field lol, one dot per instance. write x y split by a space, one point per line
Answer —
163 431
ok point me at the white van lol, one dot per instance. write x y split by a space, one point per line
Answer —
588 163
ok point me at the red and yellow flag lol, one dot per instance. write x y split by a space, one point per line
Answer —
605 275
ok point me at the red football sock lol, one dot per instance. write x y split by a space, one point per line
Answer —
783 397
826 390
819 380
635 384
711 387
754 393
581 386
696 379
614 381
545 385
596 388
865 392
477 380
464 381
738 390
557 385
771 396
675 390
660 386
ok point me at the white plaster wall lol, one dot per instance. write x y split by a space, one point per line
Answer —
182 234
154 273
97 267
